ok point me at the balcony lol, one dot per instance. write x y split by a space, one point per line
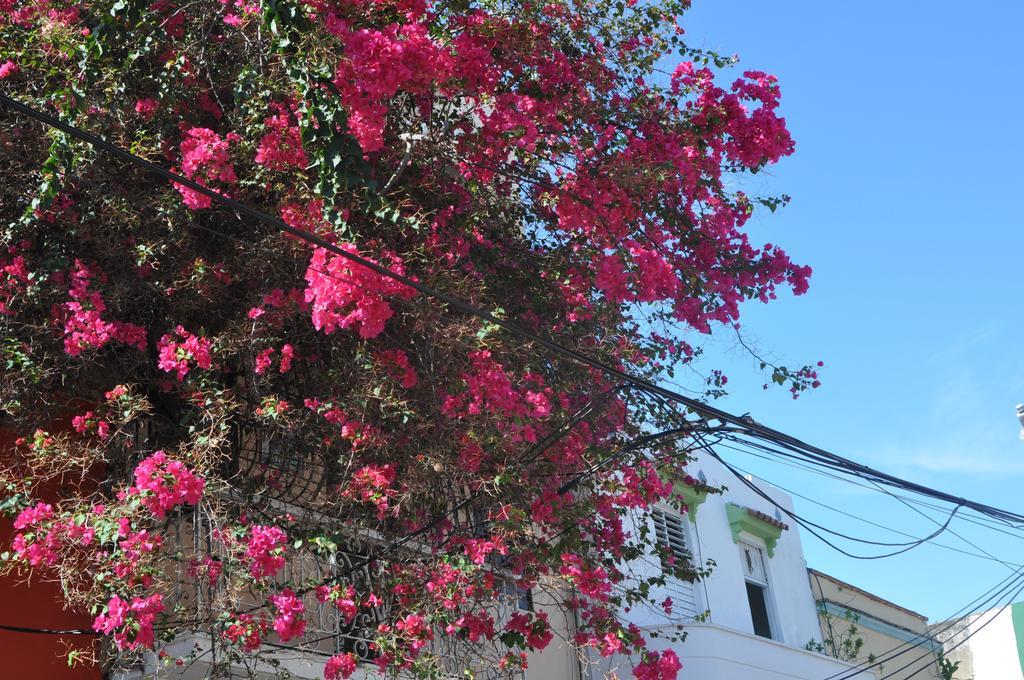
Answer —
713 652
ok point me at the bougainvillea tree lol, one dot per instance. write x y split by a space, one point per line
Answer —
247 432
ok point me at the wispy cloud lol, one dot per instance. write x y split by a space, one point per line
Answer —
966 343
956 428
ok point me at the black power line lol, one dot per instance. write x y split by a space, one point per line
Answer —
744 425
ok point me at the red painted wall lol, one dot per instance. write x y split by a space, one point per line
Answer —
37 604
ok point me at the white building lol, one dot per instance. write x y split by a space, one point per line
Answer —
987 645
754 616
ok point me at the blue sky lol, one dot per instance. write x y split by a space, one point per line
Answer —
906 188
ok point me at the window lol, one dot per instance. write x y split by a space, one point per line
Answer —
276 454
670 532
523 597
755 574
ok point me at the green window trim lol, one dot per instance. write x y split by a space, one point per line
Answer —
692 498
741 519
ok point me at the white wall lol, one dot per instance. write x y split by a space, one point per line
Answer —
713 652
729 641
990 653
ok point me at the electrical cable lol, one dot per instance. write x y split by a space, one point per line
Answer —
811 526
982 602
892 654
744 425
981 520
988 557
958 644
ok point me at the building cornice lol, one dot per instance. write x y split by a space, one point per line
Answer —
755 523
876 624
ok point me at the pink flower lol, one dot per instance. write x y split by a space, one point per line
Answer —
165 484
84 326
379 63
281 147
264 360
340 666
398 367
344 600
246 631
177 355
34 515
287 356
205 158
8 69
663 666
265 550
130 623
593 582
289 621
537 632
147 107
348 295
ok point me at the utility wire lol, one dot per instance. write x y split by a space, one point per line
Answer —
743 425
796 494
1010 581
905 500
812 527
974 632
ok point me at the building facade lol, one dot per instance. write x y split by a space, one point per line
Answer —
754 617
866 629
985 645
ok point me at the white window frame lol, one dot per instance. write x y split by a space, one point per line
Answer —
763 580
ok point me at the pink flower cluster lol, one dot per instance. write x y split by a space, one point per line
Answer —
340 666
379 63
88 422
490 391
14 276
345 294
592 582
164 484
43 548
398 367
658 666
131 623
247 632
417 631
245 7
265 359
265 550
288 621
205 158
281 147
642 486
179 351
208 566
147 107
360 434
343 598
8 69
84 326
132 548
373 484
536 630
475 625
